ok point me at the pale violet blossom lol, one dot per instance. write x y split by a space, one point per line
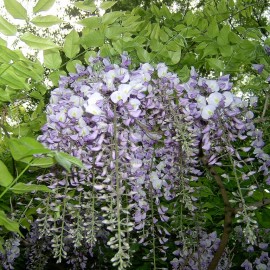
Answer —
138 85
123 74
102 126
84 131
146 77
85 89
201 100
135 103
147 67
122 93
61 116
208 111
135 164
162 70
213 84
214 98
161 166
253 101
228 98
156 182
81 122
249 115
91 106
77 101
54 99
75 112
109 77
210 84
237 102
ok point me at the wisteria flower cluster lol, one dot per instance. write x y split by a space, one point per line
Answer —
140 134
12 251
257 253
199 258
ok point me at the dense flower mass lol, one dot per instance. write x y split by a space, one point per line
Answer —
141 135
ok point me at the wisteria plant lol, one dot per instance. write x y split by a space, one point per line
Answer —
146 139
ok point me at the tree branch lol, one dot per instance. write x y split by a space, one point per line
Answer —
229 214
266 103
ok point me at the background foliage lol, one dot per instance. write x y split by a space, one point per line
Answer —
215 37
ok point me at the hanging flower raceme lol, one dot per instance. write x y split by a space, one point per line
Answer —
139 134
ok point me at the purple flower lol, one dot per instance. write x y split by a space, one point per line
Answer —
247 265
258 67
267 49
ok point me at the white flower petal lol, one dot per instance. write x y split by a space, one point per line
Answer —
135 103
201 101
93 109
228 98
208 111
214 98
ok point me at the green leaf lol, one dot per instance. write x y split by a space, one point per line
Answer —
7 78
263 217
234 38
114 32
7 55
71 45
3 42
1 245
92 38
89 54
65 163
108 4
25 70
52 58
189 17
43 162
155 31
222 38
46 21
15 9
21 188
66 160
91 7
212 30
4 96
211 49
163 36
9 224
43 5
54 76
226 50
111 17
7 28
216 64
36 42
184 74
92 22
23 148
71 65
156 46
209 205
5 177
143 55
209 217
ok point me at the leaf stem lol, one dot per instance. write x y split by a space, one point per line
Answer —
15 180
